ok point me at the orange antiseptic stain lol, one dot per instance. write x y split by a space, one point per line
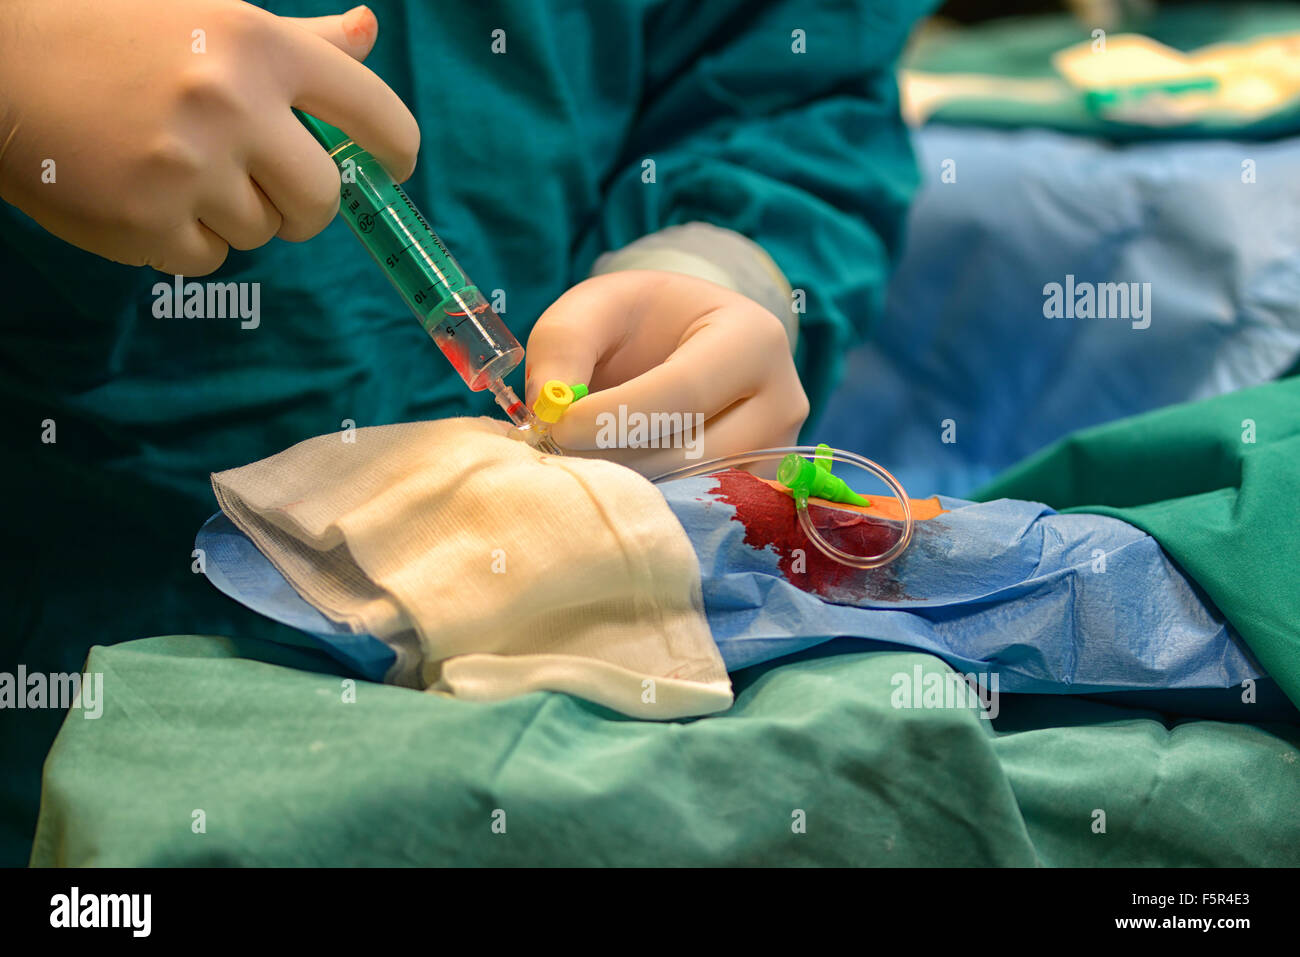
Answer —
882 506
767 511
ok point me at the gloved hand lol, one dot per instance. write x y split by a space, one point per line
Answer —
664 347
169 124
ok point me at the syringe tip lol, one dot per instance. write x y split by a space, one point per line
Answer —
514 407
533 429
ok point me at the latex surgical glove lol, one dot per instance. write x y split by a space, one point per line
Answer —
707 371
160 133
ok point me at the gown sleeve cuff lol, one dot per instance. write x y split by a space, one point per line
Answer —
719 255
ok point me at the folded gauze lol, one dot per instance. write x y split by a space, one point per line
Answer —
491 569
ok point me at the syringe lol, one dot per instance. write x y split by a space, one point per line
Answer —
451 309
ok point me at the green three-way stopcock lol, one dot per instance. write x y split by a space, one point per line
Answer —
807 479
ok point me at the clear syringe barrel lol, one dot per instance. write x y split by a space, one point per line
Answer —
451 309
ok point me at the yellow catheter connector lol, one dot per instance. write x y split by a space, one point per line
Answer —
551 403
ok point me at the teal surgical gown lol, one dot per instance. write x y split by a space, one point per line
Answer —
532 164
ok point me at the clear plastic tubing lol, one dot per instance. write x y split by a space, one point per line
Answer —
450 308
801 502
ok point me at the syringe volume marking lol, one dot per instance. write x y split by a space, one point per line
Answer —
450 327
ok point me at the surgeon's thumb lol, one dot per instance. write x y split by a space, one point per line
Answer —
567 365
353 32
557 351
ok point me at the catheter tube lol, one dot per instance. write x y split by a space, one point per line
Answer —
801 502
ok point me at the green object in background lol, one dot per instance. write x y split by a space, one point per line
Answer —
1217 484
1104 99
1021 49
579 391
291 775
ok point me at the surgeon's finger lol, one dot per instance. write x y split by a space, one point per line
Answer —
585 336
763 422
742 427
333 87
564 350
603 331
241 214
353 32
190 249
297 176
711 370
